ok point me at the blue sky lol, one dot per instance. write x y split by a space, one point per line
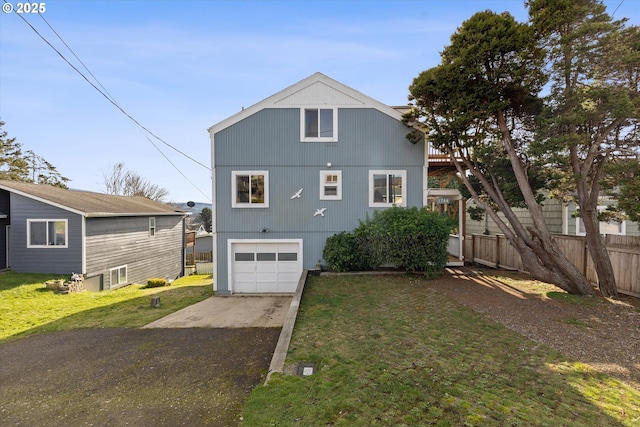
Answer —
180 66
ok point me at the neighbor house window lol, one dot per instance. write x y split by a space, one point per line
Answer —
47 233
152 227
606 227
330 185
118 275
319 124
387 188
250 189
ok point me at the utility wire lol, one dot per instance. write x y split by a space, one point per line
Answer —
112 99
109 98
616 9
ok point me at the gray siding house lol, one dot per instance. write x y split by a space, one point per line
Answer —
298 167
112 240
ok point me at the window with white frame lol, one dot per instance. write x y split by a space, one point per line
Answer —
152 227
47 233
387 188
250 189
319 124
330 185
118 275
606 227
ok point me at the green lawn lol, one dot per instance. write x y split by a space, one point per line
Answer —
394 352
28 307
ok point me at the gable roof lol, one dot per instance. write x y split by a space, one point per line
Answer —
315 90
88 203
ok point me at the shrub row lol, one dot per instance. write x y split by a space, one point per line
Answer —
410 238
156 282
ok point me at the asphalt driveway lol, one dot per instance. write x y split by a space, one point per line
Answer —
182 371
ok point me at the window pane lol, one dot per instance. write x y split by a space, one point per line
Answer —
265 256
331 178
330 191
311 123
257 189
380 188
395 189
326 123
244 256
123 275
57 233
242 189
114 277
287 256
38 233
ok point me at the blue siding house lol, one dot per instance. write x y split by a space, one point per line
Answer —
298 167
112 240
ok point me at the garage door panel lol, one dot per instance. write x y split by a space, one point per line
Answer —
265 267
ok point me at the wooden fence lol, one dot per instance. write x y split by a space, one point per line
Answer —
192 259
624 251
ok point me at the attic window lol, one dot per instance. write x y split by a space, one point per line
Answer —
319 124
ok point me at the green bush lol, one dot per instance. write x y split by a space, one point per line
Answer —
410 238
342 252
156 282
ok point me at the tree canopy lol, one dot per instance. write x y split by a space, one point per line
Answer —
122 182
26 167
536 109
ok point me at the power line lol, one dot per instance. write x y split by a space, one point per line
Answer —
614 12
109 98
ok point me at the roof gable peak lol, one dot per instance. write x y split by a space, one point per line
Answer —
315 90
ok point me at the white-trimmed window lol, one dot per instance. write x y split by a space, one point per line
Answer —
606 227
387 188
152 226
319 124
250 189
330 185
47 233
118 275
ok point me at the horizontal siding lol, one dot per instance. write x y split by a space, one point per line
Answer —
43 260
117 241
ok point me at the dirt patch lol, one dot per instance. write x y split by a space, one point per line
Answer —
601 332
139 377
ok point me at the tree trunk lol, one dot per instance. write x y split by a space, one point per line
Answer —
540 256
599 254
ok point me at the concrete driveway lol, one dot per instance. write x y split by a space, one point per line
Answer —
230 312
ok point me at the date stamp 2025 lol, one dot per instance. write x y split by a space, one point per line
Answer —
22 8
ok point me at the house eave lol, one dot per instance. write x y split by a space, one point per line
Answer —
116 214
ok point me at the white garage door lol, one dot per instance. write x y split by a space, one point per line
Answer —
265 266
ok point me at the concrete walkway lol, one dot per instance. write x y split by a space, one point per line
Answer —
230 312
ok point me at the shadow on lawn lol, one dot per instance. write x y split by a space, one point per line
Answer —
601 332
10 279
131 313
